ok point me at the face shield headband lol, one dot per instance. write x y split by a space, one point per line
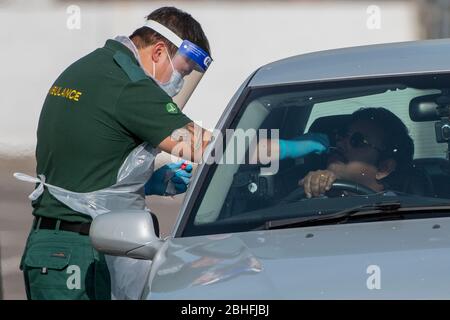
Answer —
189 64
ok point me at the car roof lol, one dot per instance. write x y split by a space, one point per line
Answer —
400 58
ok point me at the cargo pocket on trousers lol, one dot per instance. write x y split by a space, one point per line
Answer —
46 268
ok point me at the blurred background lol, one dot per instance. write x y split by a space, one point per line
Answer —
40 38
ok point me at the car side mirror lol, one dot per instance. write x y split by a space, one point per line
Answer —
127 233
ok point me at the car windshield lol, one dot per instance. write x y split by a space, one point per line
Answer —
388 138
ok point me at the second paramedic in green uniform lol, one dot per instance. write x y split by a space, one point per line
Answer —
97 111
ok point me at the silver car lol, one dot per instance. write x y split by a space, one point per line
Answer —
250 230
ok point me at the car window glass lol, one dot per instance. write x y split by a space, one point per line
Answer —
421 132
240 196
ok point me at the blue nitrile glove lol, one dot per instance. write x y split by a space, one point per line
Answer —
170 179
304 145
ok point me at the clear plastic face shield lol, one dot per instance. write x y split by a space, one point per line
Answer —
188 65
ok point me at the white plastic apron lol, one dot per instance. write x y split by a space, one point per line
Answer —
127 275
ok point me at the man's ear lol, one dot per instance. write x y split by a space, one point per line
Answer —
385 168
157 51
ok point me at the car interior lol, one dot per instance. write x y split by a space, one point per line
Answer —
416 179
428 177
253 194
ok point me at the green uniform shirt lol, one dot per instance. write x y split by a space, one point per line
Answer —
97 111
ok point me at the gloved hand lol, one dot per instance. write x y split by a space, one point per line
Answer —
303 145
170 179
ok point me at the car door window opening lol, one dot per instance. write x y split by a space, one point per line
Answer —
237 197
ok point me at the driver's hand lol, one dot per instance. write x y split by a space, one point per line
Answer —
316 183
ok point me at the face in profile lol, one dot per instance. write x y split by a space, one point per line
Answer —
183 64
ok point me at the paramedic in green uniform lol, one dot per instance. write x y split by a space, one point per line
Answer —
95 114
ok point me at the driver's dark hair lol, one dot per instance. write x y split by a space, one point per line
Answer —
179 22
397 144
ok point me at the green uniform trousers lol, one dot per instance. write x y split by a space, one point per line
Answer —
63 265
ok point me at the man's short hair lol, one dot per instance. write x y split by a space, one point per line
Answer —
179 22
398 145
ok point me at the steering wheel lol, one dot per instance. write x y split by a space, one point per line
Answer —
338 185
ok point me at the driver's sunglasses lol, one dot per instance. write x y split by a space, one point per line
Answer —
358 141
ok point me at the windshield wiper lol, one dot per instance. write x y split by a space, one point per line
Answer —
380 211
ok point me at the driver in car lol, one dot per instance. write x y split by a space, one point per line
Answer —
373 146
